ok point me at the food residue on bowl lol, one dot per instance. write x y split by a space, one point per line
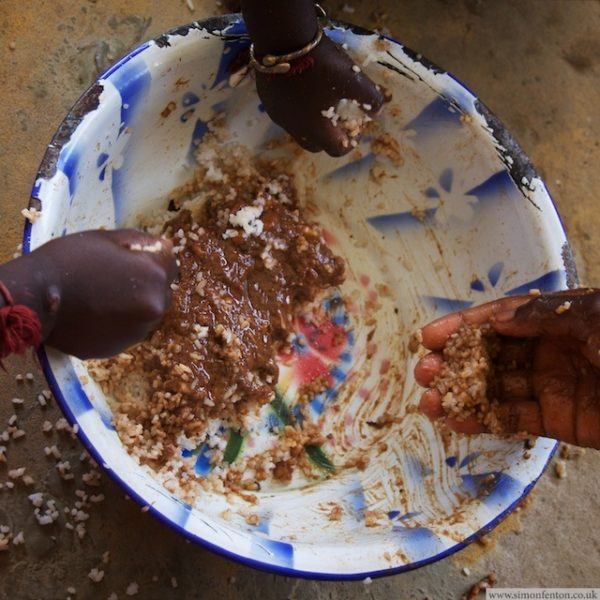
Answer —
250 262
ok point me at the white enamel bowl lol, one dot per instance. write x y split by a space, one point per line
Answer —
463 220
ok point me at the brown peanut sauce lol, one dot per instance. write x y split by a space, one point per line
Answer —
234 305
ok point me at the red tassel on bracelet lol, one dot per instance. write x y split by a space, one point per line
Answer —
20 327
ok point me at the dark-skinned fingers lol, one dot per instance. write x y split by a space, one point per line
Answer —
275 102
323 136
333 140
359 86
469 425
168 297
302 135
555 386
587 424
124 236
516 384
164 259
508 316
427 368
515 415
515 352
172 269
146 249
436 333
431 404
566 313
521 415
161 276
365 92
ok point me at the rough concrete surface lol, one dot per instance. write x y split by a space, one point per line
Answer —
536 64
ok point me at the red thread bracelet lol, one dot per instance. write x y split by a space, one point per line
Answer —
20 327
301 64
297 66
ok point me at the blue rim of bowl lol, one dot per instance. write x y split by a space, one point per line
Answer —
71 122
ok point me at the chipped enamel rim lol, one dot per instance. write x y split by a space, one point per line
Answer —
521 170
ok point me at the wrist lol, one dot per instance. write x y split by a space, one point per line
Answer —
280 26
31 282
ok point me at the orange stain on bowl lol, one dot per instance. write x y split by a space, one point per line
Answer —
329 238
385 366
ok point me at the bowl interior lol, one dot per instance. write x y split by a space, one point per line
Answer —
454 216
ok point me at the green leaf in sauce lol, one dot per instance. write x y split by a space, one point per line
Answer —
319 458
234 445
280 408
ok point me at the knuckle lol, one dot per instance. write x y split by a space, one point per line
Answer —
538 305
537 309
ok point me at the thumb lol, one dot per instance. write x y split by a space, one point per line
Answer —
564 313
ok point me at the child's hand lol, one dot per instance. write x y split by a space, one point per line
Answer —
100 296
559 334
295 102
320 78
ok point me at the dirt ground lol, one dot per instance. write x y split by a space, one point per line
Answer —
535 63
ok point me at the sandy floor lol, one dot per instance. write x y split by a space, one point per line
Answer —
534 62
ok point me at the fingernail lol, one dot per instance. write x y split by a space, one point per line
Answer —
504 316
